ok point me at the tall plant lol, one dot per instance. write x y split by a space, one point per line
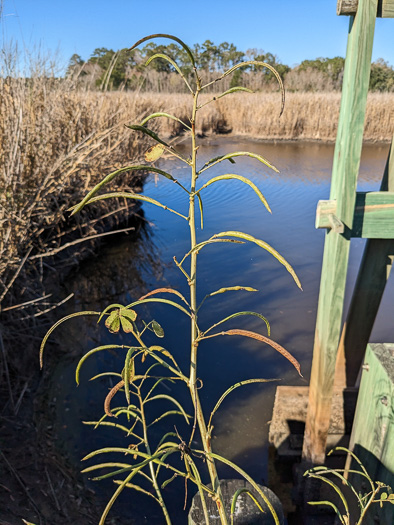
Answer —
158 464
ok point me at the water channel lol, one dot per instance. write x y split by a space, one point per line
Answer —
125 270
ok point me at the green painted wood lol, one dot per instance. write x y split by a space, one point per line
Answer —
349 7
368 291
336 249
372 438
373 215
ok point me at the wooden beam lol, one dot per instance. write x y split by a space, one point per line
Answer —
372 438
373 215
368 291
336 249
349 7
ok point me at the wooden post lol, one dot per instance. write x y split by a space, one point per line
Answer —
367 295
349 7
372 438
336 250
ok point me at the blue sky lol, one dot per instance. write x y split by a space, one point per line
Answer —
294 30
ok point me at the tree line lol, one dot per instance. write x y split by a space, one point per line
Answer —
124 70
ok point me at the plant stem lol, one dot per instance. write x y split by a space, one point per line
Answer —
151 467
205 437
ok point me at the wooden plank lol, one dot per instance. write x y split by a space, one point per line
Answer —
368 291
373 215
336 249
349 7
372 438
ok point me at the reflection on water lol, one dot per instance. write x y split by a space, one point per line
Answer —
125 269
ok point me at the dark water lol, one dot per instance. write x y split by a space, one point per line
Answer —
127 269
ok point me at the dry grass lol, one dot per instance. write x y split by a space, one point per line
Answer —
307 116
57 142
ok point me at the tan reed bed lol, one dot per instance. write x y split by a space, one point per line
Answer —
53 137
307 116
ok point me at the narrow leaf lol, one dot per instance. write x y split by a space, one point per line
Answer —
230 176
128 371
91 352
164 290
233 288
76 314
248 478
234 90
235 498
237 314
263 339
108 178
171 37
265 246
230 156
233 387
201 210
161 114
135 196
172 400
147 131
262 64
164 301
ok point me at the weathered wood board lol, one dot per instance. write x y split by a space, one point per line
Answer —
372 438
346 164
349 7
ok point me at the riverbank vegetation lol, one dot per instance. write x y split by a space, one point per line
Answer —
125 70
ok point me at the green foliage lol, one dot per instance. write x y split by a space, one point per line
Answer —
376 491
332 68
148 464
382 76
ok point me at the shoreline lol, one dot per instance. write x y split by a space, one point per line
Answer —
234 137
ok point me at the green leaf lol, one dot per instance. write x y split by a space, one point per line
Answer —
171 37
147 131
91 352
237 314
127 326
108 178
159 300
128 372
233 288
128 314
233 387
234 90
201 210
248 478
333 486
262 64
235 498
174 401
265 246
161 114
113 322
175 65
341 518
76 314
230 156
135 196
158 330
230 176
